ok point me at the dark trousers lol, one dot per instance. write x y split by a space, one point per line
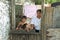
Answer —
37 31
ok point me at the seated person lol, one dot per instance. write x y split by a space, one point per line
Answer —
23 25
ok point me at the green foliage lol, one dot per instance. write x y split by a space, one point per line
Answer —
38 2
46 1
51 1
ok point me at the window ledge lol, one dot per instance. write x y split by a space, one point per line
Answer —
23 32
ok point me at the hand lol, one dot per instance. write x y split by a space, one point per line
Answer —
16 28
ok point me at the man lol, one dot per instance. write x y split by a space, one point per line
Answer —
36 21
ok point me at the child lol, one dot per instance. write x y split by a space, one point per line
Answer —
22 24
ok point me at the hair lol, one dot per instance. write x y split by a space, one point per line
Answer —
39 10
23 17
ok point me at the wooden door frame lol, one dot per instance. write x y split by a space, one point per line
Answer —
14 21
13 14
43 28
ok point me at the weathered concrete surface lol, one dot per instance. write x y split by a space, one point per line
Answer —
4 20
55 33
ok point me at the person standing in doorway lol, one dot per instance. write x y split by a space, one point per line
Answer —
36 21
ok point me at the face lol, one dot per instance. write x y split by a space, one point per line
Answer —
39 14
23 20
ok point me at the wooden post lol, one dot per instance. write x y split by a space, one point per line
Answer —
13 14
43 22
